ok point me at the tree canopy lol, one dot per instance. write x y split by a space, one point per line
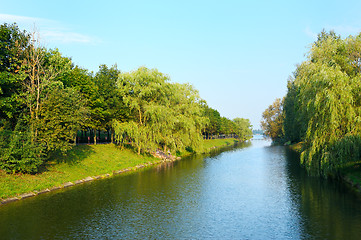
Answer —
272 123
322 105
45 100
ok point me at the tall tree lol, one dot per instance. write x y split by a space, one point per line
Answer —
243 128
63 113
162 114
214 125
13 46
106 80
82 80
44 126
142 90
42 67
323 102
272 123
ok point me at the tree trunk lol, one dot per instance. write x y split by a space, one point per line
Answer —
95 136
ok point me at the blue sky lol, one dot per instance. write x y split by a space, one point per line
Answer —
238 54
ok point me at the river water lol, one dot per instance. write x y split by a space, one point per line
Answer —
253 191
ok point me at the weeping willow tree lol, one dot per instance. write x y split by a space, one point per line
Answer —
324 101
163 114
178 120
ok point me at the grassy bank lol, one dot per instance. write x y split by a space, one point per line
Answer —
81 162
215 143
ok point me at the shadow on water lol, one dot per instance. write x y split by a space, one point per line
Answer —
327 208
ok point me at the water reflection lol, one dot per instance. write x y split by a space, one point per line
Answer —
328 209
253 191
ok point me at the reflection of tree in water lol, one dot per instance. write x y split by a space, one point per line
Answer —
328 210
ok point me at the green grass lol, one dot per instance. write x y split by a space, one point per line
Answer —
211 143
82 161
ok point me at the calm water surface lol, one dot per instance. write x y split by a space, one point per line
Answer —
254 191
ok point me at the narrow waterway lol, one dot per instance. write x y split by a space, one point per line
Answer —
254 191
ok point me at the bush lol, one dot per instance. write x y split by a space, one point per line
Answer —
20 154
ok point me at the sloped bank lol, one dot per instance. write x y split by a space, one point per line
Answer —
83 164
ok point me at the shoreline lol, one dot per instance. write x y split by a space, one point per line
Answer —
81 181
218 144
351 178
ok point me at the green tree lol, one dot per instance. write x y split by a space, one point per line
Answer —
142 91
227 126
294 123
42 68
19 153
82 80
162 114
183 119
213 126
44 125
13 46
63 113
112 107
323 102
272 123
243 128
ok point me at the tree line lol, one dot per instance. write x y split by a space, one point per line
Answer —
45 100
322 107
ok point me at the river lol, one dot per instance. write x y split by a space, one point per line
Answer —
253 191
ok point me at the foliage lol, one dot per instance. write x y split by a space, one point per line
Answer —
322 106
37 122
217 125
13 45
162 114
213 127
18 152
112 106
82 80
45 100
294 123
272 123
61 116
243 128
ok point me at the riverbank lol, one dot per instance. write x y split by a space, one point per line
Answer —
83 163
351 176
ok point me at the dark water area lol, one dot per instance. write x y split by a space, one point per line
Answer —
253 191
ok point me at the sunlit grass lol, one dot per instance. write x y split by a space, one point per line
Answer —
210 143
81 162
